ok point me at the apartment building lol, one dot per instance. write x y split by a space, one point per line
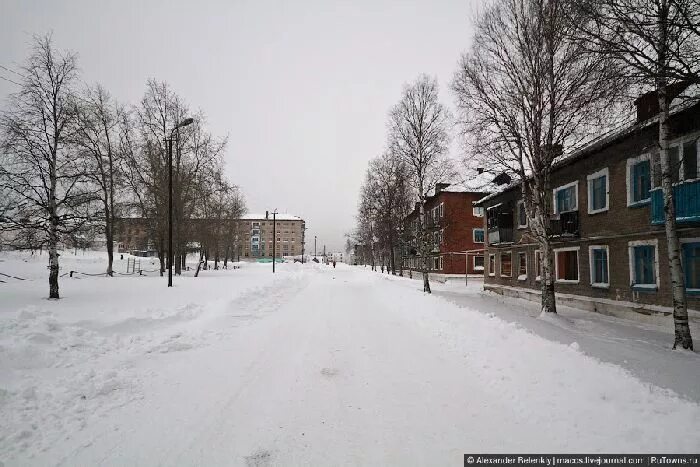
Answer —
255 236
610 246
456 227
132 234
251 234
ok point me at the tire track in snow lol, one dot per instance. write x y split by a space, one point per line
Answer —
249 307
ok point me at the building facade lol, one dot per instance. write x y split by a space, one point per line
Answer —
610 251
252 236
456 233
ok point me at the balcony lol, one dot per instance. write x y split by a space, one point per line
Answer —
499 222
686 199
500 235
566 225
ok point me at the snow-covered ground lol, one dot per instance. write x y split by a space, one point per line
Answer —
319 366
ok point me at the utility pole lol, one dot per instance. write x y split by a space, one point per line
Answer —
314 246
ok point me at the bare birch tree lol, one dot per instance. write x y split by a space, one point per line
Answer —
38 166
387 198
418 136
96 138
525 92
658 44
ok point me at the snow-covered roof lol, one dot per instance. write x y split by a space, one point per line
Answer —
280 217
456 189
600 141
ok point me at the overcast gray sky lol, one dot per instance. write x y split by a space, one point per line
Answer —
302 88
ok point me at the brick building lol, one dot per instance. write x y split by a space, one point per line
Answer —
610 246
252 235
132 234
455 226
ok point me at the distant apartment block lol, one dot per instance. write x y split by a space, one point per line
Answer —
254 232
251 234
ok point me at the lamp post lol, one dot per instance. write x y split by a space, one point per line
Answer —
314 246
303 241
169 142
274 239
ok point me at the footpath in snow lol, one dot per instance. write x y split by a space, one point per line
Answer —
314 366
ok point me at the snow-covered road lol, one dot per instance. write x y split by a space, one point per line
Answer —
333 367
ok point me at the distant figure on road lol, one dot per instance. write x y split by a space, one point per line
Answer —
334 264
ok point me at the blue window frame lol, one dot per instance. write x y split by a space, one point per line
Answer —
565 199
478 235
644 265
599 266
640 181
691 265
599 193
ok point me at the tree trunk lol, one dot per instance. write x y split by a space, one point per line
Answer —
161 257
423 245
177 259
53 260
680 305
109 234
549 303
199 264
53 233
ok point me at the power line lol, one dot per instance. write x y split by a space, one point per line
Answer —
9 80
12 71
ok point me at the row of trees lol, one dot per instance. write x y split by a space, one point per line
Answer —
401 179
73 162
541 77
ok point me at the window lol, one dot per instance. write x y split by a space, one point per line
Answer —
600 269
643 264
478 263
478 211
522 266
492 265
566 198
674 159
437 263
690 255
690 159
441 210
638 180
506 265
598 191
478 235
522 215
566 265
538 265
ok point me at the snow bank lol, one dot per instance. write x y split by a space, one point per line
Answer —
576 399
64 363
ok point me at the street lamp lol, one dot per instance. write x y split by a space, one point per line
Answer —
303 240
274 239
169 142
